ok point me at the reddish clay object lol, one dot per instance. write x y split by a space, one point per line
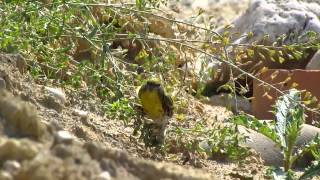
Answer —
306 79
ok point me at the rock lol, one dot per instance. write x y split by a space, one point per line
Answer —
314 63
2 83
82 132
21 116
19 150
51 102
234 104
264 146
80 113
11 166
48 167
57 93
5 77
16 59
53 99
5 175
21 63
276 18
271 154
63 137
109 166
104 176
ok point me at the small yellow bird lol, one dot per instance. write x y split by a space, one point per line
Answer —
155 103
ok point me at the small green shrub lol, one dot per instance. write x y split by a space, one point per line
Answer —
284 131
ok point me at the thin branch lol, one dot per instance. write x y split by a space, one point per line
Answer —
120 6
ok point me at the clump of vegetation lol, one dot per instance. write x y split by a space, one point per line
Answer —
108 50
284 131
84 45
217 142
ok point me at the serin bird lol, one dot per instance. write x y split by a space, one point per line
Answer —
159 108
155 103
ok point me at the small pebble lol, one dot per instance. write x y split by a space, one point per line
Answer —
21 63
80 113
57 93
2 83
63 137
11 166
104 176
5 175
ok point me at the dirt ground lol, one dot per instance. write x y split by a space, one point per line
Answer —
91 132
97 147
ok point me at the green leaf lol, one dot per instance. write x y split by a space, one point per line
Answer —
279 174
140 4
289 114
311 171
93 32
297 54
254 124
290 117
281 60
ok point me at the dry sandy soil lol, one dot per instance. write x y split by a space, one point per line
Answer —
32 120
35 143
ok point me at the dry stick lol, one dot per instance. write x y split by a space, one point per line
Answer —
231 73
120 6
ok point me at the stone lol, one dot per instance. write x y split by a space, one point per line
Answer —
63 137
80 113
104 176
19 150
235 104
276 18
11 166
57 93
21 116
2 83
5 175
21 63
7 81
271 153
46 166
314 63
53 99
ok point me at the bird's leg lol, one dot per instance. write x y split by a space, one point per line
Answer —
153 132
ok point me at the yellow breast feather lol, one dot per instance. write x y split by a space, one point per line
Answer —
152 104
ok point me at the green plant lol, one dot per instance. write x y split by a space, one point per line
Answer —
70 44
74 43
285 130
121 109
221 143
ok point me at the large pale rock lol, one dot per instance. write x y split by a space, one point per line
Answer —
276 18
